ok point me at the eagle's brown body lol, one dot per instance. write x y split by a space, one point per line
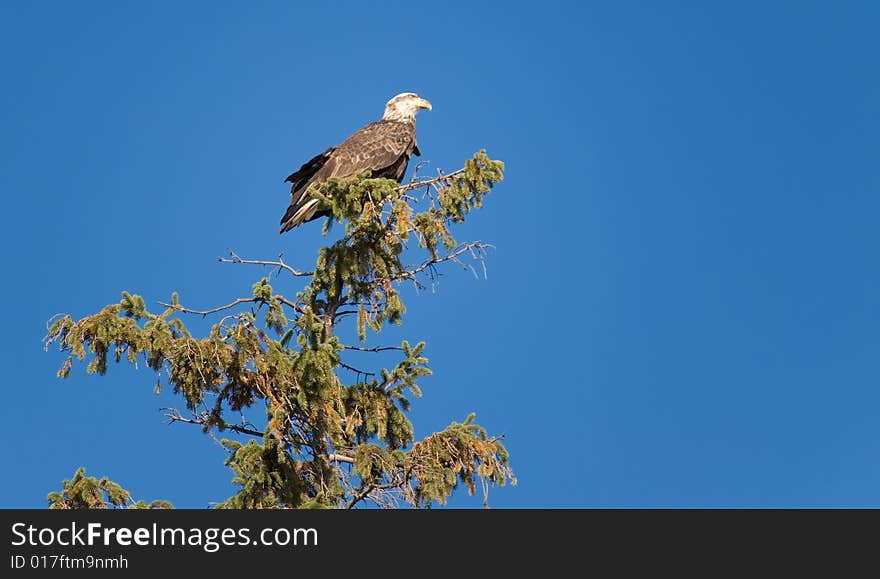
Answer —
383 147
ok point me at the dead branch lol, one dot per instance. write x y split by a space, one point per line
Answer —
355 370
428 182
180 308
238 301
475 247
279 264
289 303
360 349
363 492
174 415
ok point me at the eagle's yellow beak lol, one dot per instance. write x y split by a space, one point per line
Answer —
423 104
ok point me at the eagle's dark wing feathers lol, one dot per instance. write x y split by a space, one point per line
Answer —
300 179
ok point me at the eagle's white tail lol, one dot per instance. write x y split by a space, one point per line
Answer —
301 215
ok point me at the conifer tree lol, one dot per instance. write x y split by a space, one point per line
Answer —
334 436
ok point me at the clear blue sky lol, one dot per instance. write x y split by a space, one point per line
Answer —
683 309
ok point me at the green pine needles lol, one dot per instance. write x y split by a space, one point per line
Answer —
86 492
334 436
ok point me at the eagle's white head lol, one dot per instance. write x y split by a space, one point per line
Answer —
404 107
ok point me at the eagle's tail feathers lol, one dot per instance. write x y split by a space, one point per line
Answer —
298 214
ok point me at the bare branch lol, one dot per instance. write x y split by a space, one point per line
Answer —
279 264
475 247
360 349
336 457
174 415
344 313
361 495
365 491
180 308
238 301
355 370
428 182
418 167
289 303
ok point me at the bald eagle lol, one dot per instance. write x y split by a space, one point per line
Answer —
383 147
